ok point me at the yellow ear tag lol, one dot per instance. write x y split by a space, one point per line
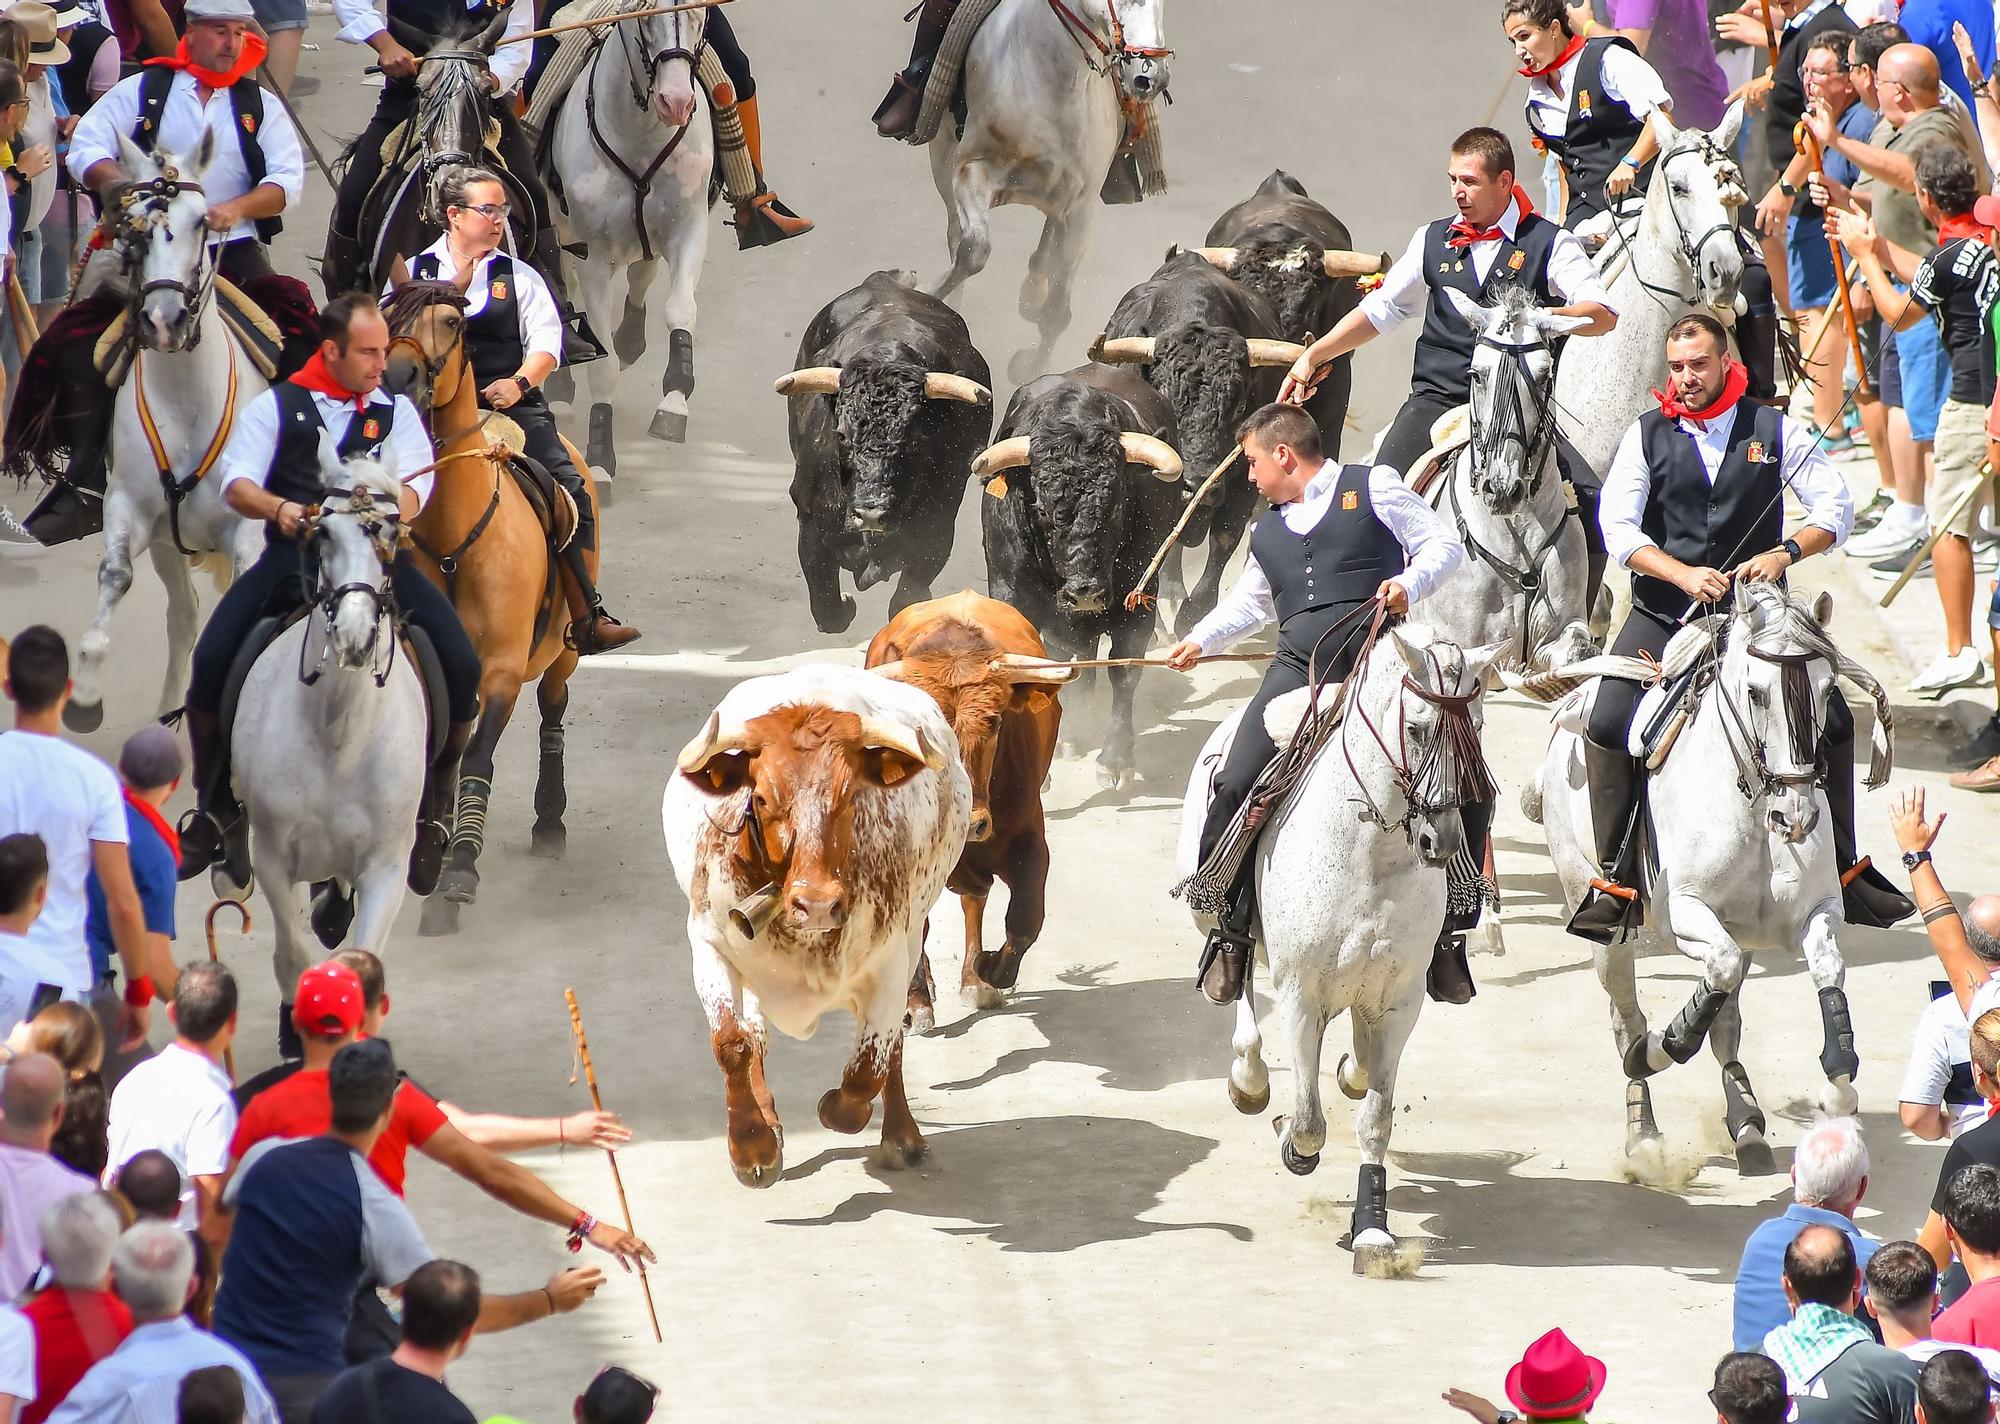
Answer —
997 486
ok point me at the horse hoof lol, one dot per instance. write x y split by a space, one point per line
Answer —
1351 1085
83 716
628 342
1753 1156
458 885
982 996
1111 778
759 1177
332 914
840 1113
1245 1103
440 917
668 425
901 1156
1375 1258
549 842
1024 366
1298 1164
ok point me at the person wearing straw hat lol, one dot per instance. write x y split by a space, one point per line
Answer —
1553 1380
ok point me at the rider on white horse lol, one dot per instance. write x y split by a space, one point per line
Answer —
1496 237
257 172
271 472
514 338
1342 536
1696 498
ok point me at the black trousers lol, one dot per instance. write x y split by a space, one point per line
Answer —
545 445
273 586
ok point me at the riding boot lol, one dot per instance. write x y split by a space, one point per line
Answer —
341 265
207 831
440 791
580 344
1757 334
74 507
1450 978
761 219
1225 955
1614 796
896 115
1866 895
591 629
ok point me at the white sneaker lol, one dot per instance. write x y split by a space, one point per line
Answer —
1964 668
1888 535
15 541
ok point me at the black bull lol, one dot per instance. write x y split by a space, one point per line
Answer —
879 466
1069 532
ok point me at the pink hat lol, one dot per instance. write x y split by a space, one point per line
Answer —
1555 1380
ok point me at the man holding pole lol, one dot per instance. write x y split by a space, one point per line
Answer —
1339 539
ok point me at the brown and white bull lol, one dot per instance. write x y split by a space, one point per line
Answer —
981 662
811 824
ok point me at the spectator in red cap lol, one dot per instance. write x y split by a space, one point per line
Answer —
1554 1380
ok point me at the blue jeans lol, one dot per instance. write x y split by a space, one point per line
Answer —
1926 375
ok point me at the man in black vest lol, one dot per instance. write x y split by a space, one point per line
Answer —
1495 238
270 471
1337 537
1694 499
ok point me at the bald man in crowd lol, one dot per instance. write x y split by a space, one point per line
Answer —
31 1181
152 1184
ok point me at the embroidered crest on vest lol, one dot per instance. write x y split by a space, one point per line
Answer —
1755 453
1351 499
371 428
1517 261
499 291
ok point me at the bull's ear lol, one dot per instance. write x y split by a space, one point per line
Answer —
1029 698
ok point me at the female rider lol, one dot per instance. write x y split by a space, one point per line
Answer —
514 337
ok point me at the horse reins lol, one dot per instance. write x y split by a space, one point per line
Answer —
361 506
448 564
1691 248
642 183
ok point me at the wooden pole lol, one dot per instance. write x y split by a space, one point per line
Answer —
22 313
1802 134
1917 561
597 1101
1153 662
612 20
1173 535
208 923
312 149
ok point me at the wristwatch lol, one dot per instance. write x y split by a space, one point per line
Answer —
527 387
1791 547
1914 858
1790 190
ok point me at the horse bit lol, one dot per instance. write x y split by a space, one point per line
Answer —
375 520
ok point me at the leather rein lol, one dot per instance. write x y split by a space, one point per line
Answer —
1691 248
448 564
372 516
642 183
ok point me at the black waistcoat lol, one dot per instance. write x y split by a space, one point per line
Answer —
493 338
295 471
1717 526
246 101
1337 563
1599 132
437 18
1443 366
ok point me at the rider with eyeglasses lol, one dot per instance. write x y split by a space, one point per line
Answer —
270 472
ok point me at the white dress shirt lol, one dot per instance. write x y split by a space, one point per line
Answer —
1431 546
1806 472
140 1381
541 323
361 21
1403 295
182 120
254 442
1625 77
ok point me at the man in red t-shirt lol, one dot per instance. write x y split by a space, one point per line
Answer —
77 1321
1972 1225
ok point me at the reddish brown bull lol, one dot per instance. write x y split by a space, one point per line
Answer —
968 654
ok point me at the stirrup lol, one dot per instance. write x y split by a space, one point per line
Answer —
764 220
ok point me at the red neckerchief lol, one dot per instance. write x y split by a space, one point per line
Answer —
315 377
1963 225
1569 52
1464 234
254 50
151 816
1733 387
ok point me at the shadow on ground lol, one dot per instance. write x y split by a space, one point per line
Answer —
1141 1037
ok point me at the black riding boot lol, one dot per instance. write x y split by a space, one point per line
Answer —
214 829
440 791
580 344
340 266
1614 796
1225 956
1866 895
1757 333
66 512
896 115
591 629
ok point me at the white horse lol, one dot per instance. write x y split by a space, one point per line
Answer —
1740 848
1679 255
331 733
171 417
1351 889
635 155
1042 124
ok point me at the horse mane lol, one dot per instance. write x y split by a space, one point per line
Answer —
406 303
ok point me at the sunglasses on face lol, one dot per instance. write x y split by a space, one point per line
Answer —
492 212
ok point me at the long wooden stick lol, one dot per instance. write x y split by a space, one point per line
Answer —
319 160
1917 562
602 20
1154 662
1802 134
490 452
26 333
208 923
1173 536
597 1101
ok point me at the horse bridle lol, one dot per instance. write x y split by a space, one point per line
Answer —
1111 50
141 218
1801 722
1534 442
360 503
635 73
642 182
1691 248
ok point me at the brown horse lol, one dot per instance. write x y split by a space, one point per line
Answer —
481 541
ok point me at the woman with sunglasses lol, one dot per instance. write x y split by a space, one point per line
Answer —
514 336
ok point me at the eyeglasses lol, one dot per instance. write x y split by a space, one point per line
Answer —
492 212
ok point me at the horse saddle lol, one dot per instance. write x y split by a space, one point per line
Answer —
553 505
416 646
1450 433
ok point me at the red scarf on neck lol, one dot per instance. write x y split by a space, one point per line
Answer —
254 50
1569 52
1963 225
1464 234
1733 387
314 376
151 816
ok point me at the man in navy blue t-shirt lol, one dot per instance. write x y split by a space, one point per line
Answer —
149 768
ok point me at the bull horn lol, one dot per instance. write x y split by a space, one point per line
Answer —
1022 667
942 385
1265 352
810 381
1123 350
1153 451
1008 454
893 736
708 743
1354 264
1222 257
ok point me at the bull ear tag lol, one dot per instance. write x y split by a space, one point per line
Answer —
997 487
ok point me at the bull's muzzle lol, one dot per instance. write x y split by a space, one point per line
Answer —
1073 599
816 909
867 521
